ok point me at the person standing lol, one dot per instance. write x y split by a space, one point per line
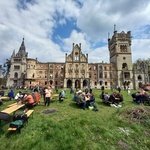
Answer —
119 89
128 90
48 94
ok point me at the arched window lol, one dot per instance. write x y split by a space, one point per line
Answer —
16 75
76 56
125 66
139 78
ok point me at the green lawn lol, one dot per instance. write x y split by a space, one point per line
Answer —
71 128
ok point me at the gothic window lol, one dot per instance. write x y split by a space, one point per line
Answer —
83 66
76 70
56 75
76 56
123 48
105 68
69 70
105 75
126 75
51 65
82 71
110 68
139 77
100 75
125 66
100 67
110 75
90 75
51 71
76 65
95 83
16 67
33 75
100 82
94 67
106 83
16 75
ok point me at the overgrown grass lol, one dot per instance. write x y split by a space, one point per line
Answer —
71 128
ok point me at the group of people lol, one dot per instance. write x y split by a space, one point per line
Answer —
32 98
84 99
115 99
141 97
29 99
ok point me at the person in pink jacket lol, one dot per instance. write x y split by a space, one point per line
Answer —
48 94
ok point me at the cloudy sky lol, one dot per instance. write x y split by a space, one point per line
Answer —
49 27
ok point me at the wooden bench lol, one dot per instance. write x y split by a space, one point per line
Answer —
4 98
12 109
12 105
54 96
29 112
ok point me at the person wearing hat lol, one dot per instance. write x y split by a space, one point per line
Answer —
81 99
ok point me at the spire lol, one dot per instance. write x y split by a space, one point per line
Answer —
22 49
13 54
114 27
108 37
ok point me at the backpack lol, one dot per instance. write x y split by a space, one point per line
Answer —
4 116
22 117
16 124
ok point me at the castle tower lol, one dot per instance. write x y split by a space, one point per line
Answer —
121 58
18 67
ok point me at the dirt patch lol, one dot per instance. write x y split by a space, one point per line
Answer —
49 111
138 114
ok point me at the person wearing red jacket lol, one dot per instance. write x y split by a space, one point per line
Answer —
29 101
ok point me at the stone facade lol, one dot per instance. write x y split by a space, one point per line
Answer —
76 72
121 57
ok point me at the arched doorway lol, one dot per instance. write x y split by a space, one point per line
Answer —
85 83
51 82
77 84
69 83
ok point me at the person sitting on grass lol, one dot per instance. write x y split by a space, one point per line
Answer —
11 94
80 99
106 99
115 99
19 97
90 99
62 95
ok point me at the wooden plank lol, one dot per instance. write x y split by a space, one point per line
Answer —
4 98
29 112
54 96
12 129
12 105
12 109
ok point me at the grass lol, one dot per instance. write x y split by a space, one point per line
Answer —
71 128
